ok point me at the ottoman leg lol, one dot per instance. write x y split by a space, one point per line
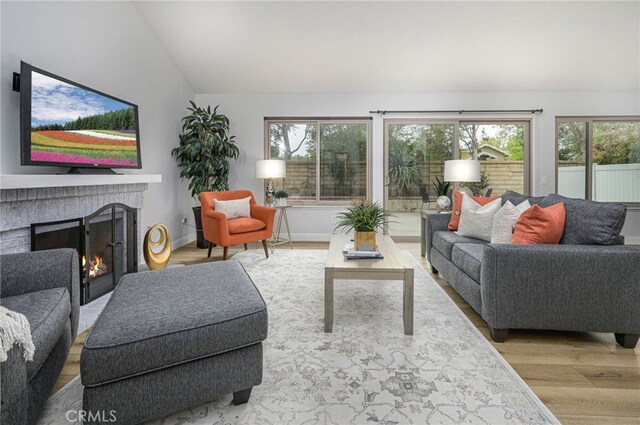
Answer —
241 397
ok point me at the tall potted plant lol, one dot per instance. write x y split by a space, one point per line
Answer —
203 155
364 218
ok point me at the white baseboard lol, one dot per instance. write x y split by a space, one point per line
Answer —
632 240
326 237
142 266
309 237
182 241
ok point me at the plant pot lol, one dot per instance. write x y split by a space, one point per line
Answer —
365 241
200 241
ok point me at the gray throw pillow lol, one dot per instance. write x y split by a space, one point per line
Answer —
504 221
589 222
516 199
476 220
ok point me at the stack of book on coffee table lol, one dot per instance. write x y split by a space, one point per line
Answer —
351 254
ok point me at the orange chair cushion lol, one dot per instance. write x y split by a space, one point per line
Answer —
539 225
457 207
244 225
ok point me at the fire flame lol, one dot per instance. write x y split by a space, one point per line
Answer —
94 264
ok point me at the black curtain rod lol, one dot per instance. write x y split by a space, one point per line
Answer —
464 111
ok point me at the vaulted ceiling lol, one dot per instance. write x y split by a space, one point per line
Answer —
392 46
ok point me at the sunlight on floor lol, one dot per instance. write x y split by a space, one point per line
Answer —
405 224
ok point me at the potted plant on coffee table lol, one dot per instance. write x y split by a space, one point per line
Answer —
365 219
203 155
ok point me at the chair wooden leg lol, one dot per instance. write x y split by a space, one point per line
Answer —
209 252
245 247
225 252
266 249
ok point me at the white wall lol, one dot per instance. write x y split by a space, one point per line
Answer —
106 46
247 112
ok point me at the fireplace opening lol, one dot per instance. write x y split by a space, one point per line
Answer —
106 242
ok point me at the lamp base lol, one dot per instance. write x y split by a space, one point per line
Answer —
268 200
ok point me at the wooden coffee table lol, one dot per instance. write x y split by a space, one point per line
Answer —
393 266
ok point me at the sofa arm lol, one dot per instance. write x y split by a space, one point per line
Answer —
589 288
39 270
432 223
13 388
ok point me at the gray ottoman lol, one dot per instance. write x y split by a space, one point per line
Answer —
171 339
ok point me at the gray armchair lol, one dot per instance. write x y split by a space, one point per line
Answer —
44 286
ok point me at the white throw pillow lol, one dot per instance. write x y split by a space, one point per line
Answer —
234 208
504 221
476 220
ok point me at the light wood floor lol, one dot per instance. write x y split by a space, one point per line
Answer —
583 378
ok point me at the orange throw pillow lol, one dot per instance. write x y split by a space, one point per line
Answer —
457 207
539 225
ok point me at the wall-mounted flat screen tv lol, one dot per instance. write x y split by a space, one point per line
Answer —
64 123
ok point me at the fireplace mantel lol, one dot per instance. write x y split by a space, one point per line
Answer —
26 199
38 181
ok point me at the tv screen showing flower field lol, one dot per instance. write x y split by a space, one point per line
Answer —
73 125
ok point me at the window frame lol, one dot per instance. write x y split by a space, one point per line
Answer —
368 121
589 120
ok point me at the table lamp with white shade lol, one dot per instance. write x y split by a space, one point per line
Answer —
462 170
270 169
459 171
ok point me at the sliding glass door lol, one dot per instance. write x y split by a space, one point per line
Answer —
502 149
415 151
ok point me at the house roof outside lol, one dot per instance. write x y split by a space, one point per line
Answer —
489 151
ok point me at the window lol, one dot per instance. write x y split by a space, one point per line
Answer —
415 154
598 158
326 159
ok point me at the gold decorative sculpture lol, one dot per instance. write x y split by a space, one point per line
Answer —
157 260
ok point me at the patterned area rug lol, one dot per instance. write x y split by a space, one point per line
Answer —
367 371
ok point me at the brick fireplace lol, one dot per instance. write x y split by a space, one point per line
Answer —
28 199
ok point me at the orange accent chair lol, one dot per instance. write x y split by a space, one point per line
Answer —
226 232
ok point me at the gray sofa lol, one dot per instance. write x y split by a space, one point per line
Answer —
44 286
566 287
